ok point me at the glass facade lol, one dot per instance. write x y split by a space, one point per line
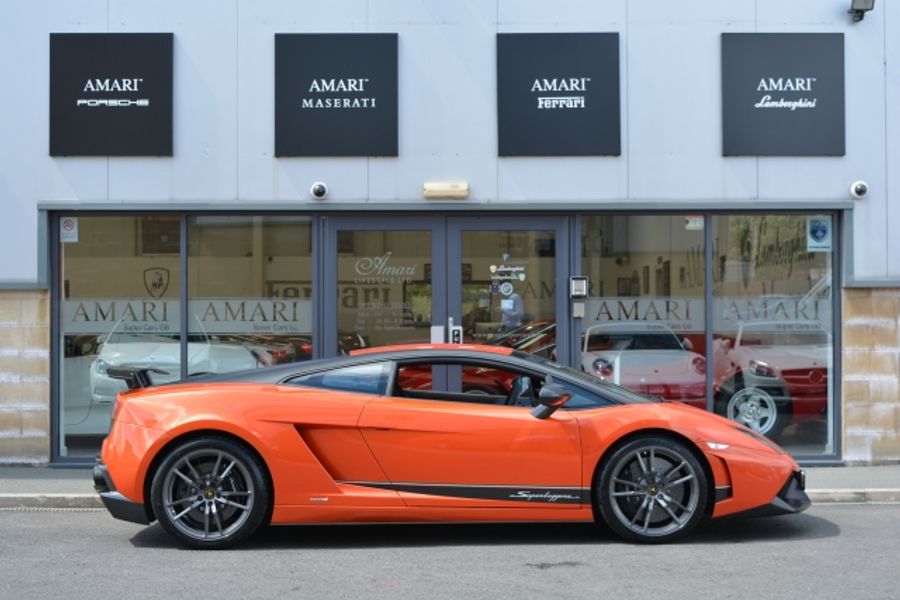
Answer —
250 292
644 320
120 283
773 337
729 313
770 364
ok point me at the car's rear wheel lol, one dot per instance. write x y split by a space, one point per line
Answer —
652 490
210 492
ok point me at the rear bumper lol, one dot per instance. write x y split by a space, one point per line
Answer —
118 505
790 499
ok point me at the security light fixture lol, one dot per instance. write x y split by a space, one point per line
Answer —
859 8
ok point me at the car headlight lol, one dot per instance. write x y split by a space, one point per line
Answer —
603 367
761 369
101 366
699 365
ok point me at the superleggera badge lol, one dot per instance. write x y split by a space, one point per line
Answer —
541 496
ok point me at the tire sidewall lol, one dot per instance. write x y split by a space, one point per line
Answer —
261 499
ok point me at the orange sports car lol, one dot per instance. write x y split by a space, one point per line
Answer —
342 440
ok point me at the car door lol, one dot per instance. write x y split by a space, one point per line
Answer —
472 449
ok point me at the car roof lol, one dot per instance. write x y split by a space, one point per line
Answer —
445 347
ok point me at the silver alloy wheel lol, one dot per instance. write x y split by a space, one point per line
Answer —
208 494
754 407
654 491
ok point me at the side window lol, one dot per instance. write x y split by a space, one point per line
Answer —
472 382
582 398
365 379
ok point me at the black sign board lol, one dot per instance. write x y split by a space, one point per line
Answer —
111 94
558 94
336 94
783 94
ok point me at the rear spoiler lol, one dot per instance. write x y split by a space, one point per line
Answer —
134 377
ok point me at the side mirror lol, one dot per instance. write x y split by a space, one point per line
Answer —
687 344
551 397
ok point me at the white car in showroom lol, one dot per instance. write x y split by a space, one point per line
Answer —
645 357
772 373
163 353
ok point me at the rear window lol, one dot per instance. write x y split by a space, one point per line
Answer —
365 379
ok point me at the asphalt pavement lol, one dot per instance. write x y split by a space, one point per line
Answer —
54 487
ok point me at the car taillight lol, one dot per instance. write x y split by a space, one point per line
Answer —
603 367
761 369
699 365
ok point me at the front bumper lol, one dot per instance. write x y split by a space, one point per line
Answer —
790 499
118 505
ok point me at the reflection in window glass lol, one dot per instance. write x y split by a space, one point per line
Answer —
508 289
773 343
643 328
250 287
119 307
384 288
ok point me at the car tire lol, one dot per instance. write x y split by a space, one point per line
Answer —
210 493
759 408
652 490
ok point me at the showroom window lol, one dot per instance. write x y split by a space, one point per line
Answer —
250 305
770 364
250 292
773 332
120 288
644 317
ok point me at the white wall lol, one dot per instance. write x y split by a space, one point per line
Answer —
671 111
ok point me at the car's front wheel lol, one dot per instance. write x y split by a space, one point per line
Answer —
210 492
652 490
757 408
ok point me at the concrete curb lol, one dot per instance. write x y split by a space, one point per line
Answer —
823 496
50 501
872 495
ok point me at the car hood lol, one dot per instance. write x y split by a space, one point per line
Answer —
157 353
786 357
646 361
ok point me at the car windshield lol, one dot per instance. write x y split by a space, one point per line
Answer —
576 376
632 341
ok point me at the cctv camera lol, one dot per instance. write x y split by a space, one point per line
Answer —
318 190
859 189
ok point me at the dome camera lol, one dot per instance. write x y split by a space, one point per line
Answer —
859 189
318 190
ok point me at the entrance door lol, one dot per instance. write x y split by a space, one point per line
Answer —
501 279
507 282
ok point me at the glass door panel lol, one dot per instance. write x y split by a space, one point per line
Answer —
506 289
382 282
504 278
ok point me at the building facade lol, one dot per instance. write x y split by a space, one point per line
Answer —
693 204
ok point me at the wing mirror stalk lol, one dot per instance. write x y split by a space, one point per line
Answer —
551 397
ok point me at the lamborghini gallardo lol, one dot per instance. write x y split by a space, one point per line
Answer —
394 434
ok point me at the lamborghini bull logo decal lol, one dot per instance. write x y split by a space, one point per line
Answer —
156 281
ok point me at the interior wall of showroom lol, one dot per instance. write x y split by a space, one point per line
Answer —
670 77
